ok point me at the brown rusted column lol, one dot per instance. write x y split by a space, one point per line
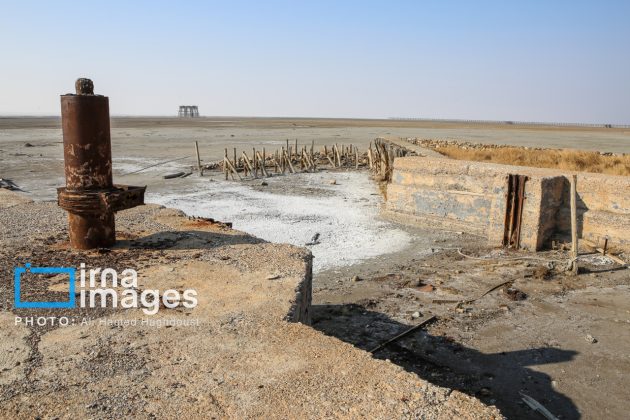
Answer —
90 196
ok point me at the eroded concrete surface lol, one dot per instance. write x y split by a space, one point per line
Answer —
243 359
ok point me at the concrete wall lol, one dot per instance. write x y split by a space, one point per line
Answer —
471 196
603 208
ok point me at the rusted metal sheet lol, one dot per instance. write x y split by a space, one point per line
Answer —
90 197
514 210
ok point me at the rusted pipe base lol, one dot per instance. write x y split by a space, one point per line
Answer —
92 231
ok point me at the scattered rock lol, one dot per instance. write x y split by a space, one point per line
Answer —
264 183
28 145
356 278
416 315
514 294
314 240
273 276
333 182
427 288
589 338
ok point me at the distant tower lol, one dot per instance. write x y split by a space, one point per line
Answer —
186 111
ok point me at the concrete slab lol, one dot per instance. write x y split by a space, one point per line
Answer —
234 355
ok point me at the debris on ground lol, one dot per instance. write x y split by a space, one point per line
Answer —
314 240
514 294
174 175
9 185
589 338
536 406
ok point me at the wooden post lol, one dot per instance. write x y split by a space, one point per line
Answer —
228 164
261 164
249 165
225 168
286 155
296 152
198 159
574 227
282 160
235 161
254 162
356 158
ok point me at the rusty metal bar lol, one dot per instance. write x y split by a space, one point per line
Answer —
90 197
514 210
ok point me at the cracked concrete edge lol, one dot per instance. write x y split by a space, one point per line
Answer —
300 310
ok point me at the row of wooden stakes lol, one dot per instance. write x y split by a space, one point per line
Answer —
287 159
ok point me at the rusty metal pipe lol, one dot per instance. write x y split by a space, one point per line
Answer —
90 197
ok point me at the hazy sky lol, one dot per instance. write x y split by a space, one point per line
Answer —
504 60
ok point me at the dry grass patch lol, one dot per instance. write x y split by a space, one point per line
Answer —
570 160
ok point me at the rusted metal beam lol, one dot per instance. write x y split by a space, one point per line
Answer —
515 198
90 197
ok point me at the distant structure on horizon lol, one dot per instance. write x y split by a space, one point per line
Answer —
191 111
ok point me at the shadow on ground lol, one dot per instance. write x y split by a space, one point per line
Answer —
186 239
493 378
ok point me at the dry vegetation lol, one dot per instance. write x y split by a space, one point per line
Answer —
572 160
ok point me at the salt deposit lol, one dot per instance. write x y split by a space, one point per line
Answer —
345 214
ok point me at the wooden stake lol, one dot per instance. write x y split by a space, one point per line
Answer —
255 161
227 163
248 164
225 168
286 156
261 163
198 159
282 160
574 227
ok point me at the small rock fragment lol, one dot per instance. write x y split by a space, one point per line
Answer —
356 278
590 339
416 315
427 288
513 293
333 182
